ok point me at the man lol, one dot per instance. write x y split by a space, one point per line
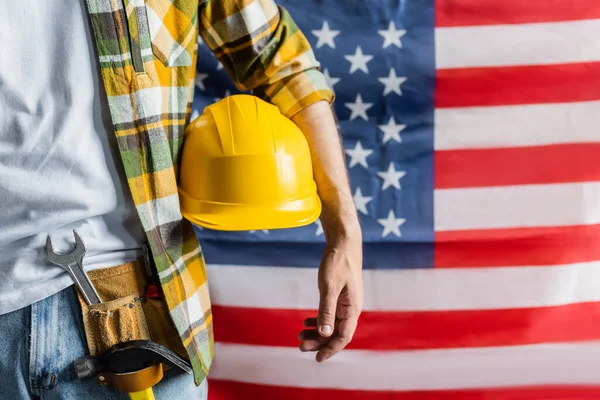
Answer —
95 97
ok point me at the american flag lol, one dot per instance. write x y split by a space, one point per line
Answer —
472 135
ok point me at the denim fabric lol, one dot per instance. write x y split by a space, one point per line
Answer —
38 344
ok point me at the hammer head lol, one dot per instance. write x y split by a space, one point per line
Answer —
66 259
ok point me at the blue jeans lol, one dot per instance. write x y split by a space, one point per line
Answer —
38 345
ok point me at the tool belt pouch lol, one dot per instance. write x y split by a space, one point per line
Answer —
125 313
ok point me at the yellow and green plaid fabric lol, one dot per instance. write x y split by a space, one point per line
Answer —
147 53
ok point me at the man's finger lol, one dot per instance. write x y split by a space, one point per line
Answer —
312 345
327 309
347 327
311 340
310 334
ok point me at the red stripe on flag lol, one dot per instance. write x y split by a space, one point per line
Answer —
477 12
409 330
517 247
563 163
232 390
494 86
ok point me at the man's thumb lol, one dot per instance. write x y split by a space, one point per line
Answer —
327 312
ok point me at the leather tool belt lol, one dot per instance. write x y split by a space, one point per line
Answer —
132 308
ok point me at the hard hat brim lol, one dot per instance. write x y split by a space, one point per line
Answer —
243 217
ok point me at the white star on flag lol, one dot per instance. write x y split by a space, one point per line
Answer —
319 227
359 61
391 131
361 201
391 224
200 41
227 94
331 81
219 65
392 83
359 155
200 77
392 36
325 36
391 177
195 114
264 231
358 108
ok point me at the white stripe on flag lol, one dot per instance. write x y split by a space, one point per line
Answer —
511 45
553 364
517 206
516 126
414 289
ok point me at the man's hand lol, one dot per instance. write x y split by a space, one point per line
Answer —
340 273
341 299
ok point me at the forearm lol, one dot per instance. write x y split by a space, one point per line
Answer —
340 271
339 217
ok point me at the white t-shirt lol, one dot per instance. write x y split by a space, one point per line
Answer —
59 164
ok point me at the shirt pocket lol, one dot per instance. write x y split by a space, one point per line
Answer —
161 29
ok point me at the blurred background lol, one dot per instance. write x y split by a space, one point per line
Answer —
471 135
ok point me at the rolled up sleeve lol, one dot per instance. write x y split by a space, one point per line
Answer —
264 51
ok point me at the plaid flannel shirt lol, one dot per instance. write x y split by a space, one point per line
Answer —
147 51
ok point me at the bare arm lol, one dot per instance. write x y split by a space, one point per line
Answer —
340 272
339 218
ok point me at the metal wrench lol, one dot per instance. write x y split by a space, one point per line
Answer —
72 263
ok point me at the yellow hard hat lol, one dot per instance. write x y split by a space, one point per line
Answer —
245 166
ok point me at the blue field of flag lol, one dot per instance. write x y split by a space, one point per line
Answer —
379 58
